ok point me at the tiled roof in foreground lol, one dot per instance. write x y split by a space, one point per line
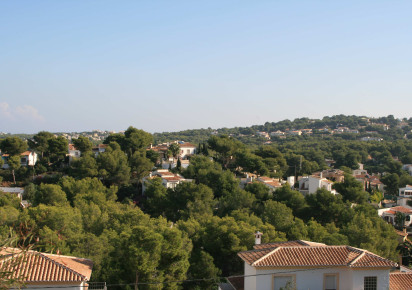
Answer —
400 281
302 254
34 266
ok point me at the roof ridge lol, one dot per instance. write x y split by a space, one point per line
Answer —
357 258
60 264
265 256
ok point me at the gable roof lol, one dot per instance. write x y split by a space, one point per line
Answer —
308 254
34 266
400 281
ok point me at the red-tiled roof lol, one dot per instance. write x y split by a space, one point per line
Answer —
401 209
298 243
400 281
296 254
71 147
187 144
34 266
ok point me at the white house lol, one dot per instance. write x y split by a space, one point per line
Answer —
303 265
310 184
169 179
41 270
73 152
405 194
186 149
389 214
99 149
27 158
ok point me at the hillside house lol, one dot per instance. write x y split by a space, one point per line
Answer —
41 270
169 179
310 184
405 194
73 152
99 149
27 158
389 214
306 265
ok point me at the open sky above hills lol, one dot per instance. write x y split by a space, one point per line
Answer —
174 65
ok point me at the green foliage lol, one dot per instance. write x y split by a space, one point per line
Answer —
13 146
278 215
85 166
113 165
49 194
351 190
83 144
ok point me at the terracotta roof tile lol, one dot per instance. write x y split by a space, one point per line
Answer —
401 209
400 281
34 266
302 253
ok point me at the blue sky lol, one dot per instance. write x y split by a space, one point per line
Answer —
174 65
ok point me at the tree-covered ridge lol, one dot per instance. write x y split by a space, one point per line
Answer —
93 206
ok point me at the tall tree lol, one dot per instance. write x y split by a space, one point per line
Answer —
13 146
83 144
40 142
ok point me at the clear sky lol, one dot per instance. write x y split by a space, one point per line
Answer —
171 65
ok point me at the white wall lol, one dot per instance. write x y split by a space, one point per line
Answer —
312 279
358 277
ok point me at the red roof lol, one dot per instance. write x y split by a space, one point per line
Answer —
41 267
400 281
292 254
187 144
401 209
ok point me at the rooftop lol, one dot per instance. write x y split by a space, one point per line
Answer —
308 254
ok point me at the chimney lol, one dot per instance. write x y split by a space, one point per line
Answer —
258 236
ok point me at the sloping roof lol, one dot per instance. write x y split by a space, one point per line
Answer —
400 281
301 254
187 144
34 266
297 243
401 209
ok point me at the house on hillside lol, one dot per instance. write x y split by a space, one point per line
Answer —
310 184
187 149
73 152
405 194
389 214
42 270
169 179
27 158
271 183
99 149
306 265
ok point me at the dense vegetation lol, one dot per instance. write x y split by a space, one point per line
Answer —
93 207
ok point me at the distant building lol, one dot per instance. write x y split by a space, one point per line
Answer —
169 179
27 158
310 184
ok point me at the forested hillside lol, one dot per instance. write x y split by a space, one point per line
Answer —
93 206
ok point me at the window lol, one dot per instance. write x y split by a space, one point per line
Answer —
330 281
370 283
284 282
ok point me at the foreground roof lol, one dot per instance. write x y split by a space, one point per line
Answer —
32 266
400 281
309 254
